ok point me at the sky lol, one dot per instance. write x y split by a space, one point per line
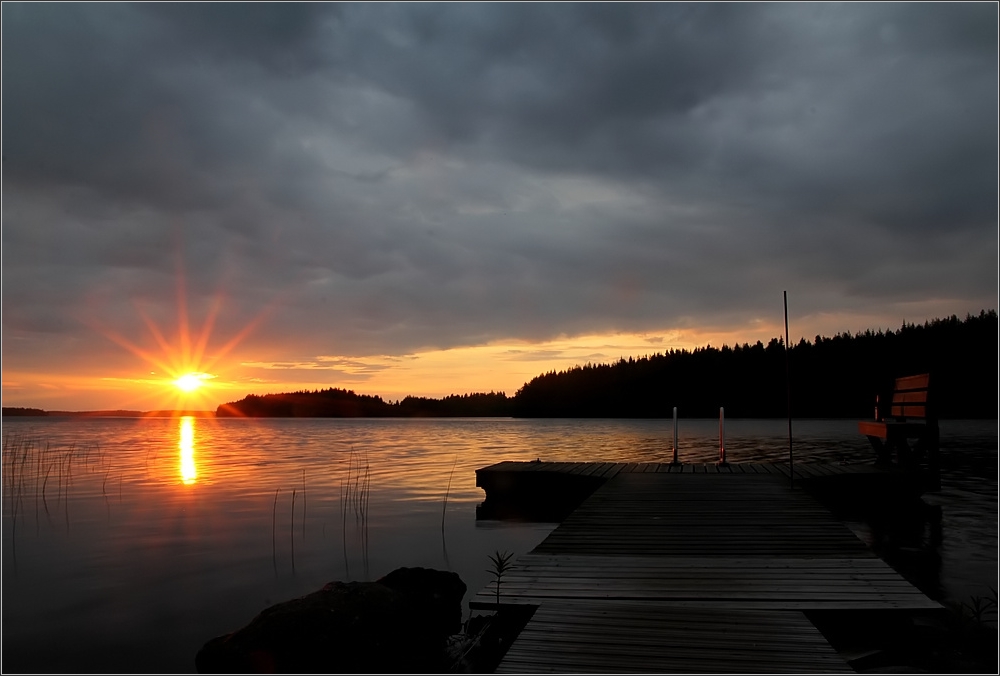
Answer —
431 199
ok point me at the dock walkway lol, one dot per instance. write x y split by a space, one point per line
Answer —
691 569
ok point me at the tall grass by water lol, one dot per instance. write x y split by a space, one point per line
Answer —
355 490
29 467
354 499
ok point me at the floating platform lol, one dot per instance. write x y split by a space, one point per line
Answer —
550 491
688 568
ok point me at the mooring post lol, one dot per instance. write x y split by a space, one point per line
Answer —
675 437
722 436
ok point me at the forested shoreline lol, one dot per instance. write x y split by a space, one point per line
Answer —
836 377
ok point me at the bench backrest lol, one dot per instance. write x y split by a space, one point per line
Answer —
909 397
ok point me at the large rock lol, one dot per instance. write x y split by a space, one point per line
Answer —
398 624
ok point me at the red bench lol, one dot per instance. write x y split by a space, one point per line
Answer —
910 417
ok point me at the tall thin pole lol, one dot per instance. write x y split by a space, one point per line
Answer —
675 436
788 399
722 436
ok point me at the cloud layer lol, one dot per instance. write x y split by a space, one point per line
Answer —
379 179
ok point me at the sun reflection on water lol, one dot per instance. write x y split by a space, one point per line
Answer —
189 472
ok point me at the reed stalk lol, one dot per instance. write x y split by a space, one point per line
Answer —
368 485
66 499
22 472
355 492
366 493
345 487
12 449
45 503
274 519
38 473
69 465
444 509
291 531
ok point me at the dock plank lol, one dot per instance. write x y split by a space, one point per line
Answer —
747 582
589 637
615 470
729 514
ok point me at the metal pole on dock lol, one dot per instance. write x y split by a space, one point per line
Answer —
788 393
722 436
675 436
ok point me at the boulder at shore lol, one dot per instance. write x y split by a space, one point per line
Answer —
397 624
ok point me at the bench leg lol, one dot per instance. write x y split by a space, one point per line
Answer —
934 459
883 454
906 457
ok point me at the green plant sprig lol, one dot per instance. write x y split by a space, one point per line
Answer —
501 564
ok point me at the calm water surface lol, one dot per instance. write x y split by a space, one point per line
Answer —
128 543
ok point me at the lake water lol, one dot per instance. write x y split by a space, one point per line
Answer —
127 543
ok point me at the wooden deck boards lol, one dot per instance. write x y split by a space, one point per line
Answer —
752 583
687 514
686 568
588 637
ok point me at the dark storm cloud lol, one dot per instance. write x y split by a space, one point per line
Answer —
390 177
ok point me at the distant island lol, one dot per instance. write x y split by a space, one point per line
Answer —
336 403
836 377
18 411
10 411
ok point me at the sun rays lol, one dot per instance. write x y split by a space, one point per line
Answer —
185 367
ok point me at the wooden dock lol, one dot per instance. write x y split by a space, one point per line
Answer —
693 569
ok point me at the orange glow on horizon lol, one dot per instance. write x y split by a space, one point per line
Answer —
498 366
183 376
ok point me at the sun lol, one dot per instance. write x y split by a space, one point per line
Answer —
189 382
